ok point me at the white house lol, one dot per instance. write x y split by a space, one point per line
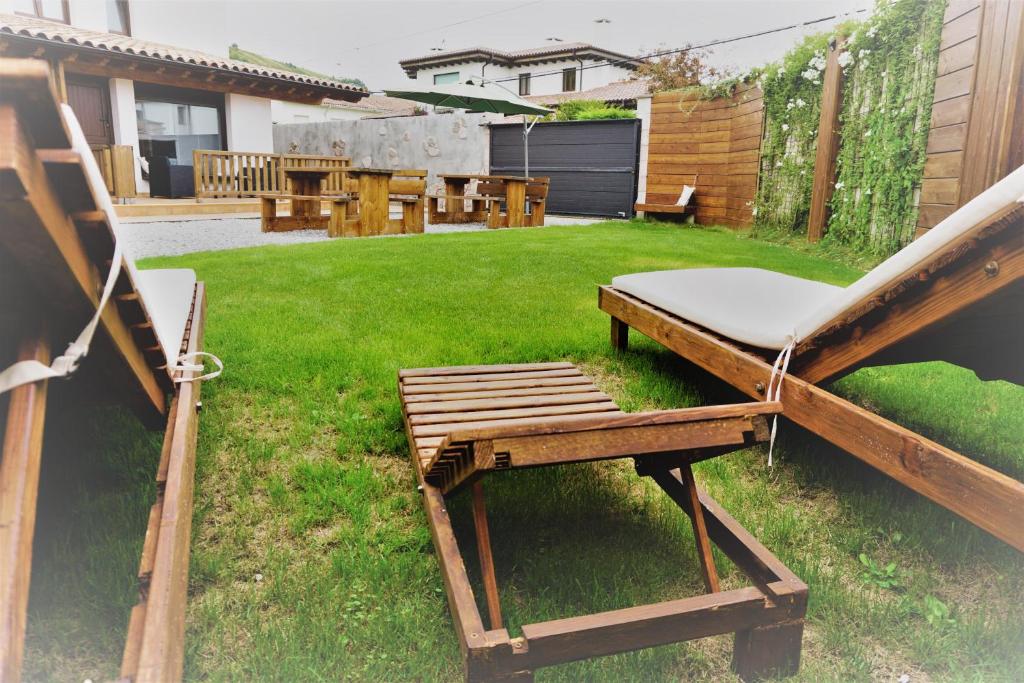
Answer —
128 87
340 110
556 68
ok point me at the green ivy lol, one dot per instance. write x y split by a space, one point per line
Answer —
889 72
889 65
792 101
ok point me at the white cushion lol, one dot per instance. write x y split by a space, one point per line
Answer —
768 309
166 294
750 305
684 196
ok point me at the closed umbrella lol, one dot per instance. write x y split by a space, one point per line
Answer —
477 96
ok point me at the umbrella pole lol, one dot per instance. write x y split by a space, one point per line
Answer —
526 149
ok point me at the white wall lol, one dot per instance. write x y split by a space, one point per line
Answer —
548 84
643 112
296 112
126 131
249 123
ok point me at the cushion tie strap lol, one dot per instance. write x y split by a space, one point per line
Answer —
774 392
183 365
30 371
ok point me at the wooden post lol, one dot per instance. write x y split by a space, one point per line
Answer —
768 651
483 542
828 144
515 203
700 531
620 335
19 486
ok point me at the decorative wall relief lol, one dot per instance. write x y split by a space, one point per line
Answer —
459 129
338 148
392 157
407 136
431 147
293 147
367 161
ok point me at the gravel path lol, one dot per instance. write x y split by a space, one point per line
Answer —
173 237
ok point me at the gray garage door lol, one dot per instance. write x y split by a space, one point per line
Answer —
592 164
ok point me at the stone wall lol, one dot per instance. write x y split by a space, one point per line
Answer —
454 142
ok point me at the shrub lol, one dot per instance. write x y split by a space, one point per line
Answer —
591 110
606 113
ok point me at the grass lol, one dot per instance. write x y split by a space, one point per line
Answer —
311 556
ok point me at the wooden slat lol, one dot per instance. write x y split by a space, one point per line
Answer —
501 393
516 402
19 487
162 649
502 384
491 377
508 413
465 420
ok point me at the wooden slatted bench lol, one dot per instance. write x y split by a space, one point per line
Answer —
468 421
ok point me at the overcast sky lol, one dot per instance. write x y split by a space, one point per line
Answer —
365 39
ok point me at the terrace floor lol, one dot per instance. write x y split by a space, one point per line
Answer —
312 559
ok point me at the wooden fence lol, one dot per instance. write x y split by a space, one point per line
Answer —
711 144
976 134
117 166
245 174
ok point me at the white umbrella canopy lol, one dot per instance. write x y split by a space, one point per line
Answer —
477 96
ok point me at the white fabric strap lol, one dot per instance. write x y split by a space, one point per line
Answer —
774 392
29 371
184 366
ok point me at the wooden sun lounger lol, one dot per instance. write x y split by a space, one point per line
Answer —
965 306
469 421
55 250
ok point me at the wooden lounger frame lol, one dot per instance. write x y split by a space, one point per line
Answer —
455 442
965 306
57 240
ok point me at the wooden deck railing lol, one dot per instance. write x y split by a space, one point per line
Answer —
245 174
117 166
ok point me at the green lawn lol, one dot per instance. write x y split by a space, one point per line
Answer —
311 555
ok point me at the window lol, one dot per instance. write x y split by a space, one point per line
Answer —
173 121
452 77
56 10
524 84
118 18
568 80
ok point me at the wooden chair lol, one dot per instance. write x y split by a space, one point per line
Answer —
467 422
58 251
955 294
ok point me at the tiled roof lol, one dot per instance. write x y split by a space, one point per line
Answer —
56 32
619 91
514 56
376 103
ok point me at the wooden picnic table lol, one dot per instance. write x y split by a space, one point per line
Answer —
513 192
306 181
305 197
374 200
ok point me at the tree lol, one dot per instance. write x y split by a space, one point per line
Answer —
676 70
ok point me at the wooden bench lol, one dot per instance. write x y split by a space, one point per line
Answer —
406 187
683 210
466 422
491 193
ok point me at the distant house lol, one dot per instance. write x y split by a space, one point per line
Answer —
549 70
160 100
340 110
620 93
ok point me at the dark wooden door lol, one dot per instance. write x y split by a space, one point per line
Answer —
90 100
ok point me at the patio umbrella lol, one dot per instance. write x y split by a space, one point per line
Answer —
478 95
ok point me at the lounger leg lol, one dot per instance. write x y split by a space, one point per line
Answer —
768 652
620 335
19 486
483 543
700 532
